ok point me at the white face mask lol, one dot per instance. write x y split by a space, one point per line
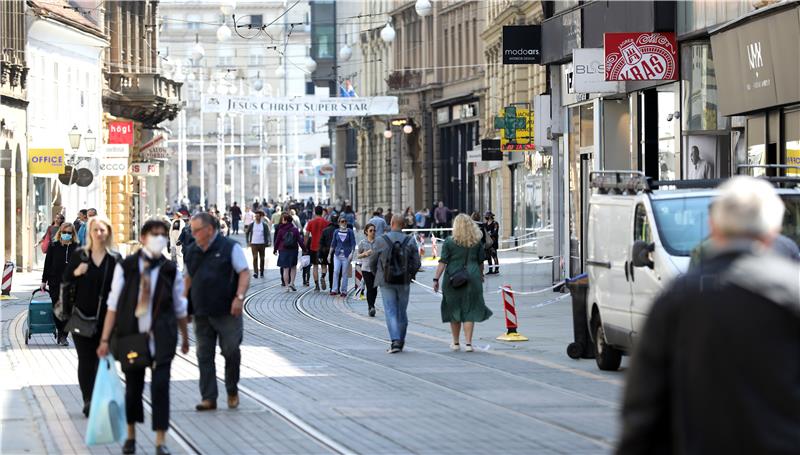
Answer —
155 244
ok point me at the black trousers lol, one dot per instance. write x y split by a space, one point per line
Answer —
54 288
87 363
159 396
330 274
258 255
491 255
372 291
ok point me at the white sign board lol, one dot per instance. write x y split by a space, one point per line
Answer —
113 160
474 155
302 106
144 169
588 73
155 149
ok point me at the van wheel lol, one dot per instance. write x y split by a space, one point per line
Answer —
607 357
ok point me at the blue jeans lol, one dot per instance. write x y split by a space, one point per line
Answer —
395 304
340 265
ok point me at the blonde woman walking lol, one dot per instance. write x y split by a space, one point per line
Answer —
461 264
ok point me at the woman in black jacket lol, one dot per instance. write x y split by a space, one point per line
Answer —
91 269
63 246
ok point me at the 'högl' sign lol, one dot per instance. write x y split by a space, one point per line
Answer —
640 56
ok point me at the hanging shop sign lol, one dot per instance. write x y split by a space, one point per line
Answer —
490 150
516 128
46 161
474 155
326 170
522 44
120 133
640 56
155 149
144 169
113 160
588 73
303 106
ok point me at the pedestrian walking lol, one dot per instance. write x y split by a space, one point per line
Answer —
350 216
388 217
89 275
50 233
395 262
307 266
314 230
461 263
176 227
82 231
343 247
286 243
379 223
236 216
491 240
55 262
366 247
249 218
716 343
185 240
83 215
441 218
325 250
409 218
146 308
216 282
295 219
258 243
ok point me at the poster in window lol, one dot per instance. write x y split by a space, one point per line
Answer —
701 157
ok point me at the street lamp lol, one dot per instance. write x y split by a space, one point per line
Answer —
387 133
223 33
90 140
258 84
423 7
74 138
408 129
388 33
345 53
197 50
227 7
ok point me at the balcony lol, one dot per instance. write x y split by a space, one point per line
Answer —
148 98
13 78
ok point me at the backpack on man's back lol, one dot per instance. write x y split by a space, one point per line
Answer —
399 268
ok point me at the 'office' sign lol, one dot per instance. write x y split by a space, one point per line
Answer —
522 44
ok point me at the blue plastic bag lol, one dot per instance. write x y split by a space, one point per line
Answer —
107 411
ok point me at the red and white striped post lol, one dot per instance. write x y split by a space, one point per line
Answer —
510 309
8 273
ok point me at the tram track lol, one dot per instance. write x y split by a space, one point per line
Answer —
297 305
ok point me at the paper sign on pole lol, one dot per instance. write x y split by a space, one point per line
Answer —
46 161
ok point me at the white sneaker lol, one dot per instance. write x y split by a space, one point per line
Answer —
468 348
455 347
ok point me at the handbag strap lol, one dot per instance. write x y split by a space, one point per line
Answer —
102 285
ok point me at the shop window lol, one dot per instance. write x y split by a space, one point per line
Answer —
700 95
791 124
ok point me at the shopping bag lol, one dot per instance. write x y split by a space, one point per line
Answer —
107 411
305 261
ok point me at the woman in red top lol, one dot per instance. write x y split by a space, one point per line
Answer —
287 240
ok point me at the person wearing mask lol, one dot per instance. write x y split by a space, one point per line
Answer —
82 231
55 262
236 215
50 233
391 250
462 305
325 250
216 281
715 344
365 248
286 243
249 218
491 240
258 243
342 248
90 271
379 223
147 297
314 230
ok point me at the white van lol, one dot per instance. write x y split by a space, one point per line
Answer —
638 241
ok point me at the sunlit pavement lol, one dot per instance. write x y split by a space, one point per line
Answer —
316 379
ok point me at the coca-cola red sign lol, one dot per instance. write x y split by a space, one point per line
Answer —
641 56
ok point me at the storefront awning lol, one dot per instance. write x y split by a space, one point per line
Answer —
757 61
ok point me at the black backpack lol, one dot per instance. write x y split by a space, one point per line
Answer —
398 267
289 240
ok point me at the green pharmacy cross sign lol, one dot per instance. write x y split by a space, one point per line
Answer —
516 126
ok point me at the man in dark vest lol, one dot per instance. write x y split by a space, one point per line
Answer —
217 278
147 297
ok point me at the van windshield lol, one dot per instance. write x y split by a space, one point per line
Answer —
682 223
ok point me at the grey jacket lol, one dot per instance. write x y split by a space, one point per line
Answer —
381 251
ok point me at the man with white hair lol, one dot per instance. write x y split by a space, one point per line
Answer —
716 370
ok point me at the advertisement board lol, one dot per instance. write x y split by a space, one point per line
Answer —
522 44
302 106
490 150
120 133
144 169
516 128
113 160
588 73
640 56
46 161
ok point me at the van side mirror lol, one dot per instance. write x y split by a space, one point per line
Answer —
640 253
